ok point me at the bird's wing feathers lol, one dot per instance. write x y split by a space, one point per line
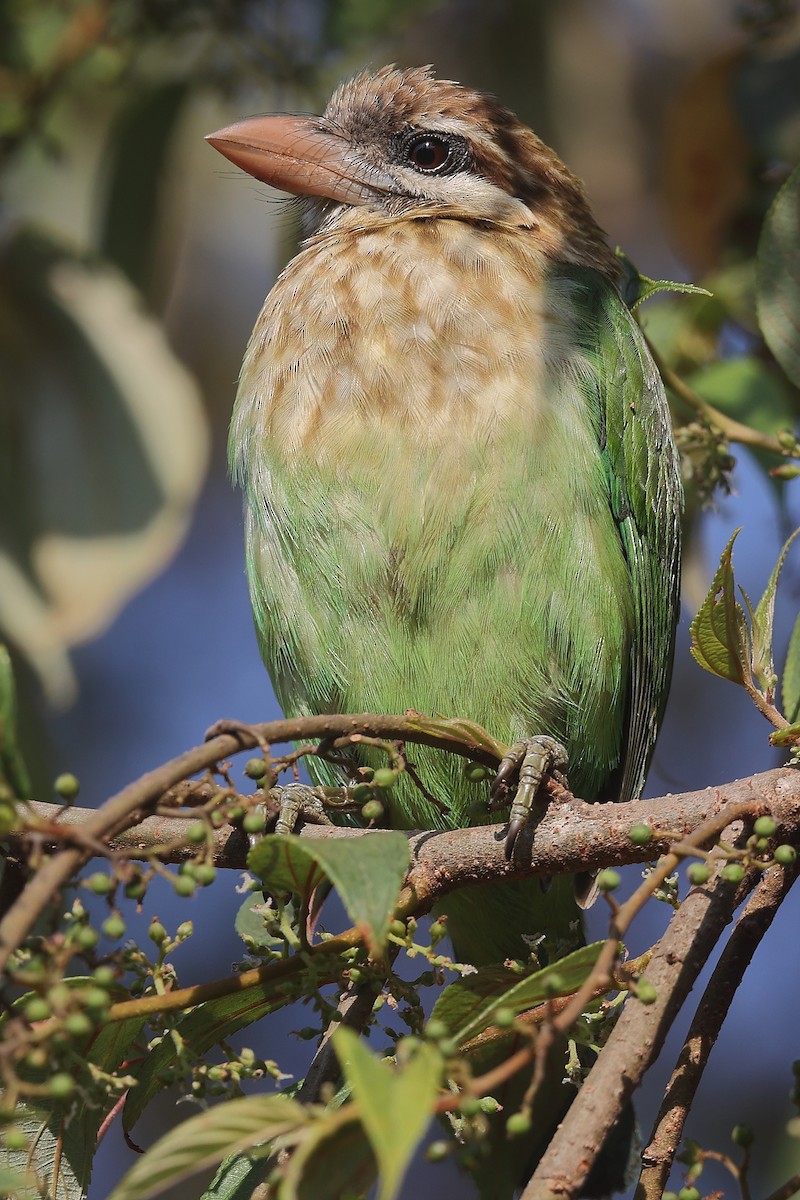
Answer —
646 500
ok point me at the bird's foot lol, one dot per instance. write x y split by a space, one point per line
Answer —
529 762
289 804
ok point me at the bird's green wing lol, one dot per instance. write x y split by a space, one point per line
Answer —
646 500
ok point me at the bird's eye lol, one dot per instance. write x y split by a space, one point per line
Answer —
429 154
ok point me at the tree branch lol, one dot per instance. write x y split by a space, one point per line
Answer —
751 926
638 1036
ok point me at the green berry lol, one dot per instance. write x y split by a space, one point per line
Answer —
96 999
437 931
361 793
470 1106
67 787
100 884
197 833
253 822
37 1009
185 885
669 1196
184 931
436 1029
255 768
518 1123
373 810
475 772
385 777
689 1193
205 874
9 817
114 927
157 933
733 872
489 1105
61 1086
608 880
742 1135
135 889
504 1018
86 937
785 855
645 991
554 984
398 928
103 976
437 1151
77 1025
697 873
640 835
765 827
15 1138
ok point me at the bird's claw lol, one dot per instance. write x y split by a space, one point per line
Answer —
530 761
295 802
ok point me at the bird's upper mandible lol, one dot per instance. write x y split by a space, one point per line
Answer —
405 142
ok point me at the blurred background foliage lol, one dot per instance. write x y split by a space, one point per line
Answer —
133 264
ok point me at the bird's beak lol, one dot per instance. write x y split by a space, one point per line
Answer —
296 155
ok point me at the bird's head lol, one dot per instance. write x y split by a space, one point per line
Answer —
402 141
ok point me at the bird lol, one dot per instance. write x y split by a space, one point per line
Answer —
461 489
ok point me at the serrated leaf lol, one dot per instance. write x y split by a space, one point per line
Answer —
720 638
367 872
762 622
334 1159
206 1139
778 277
204 1027
394 1104
790 680
13 772
467 1007
636 287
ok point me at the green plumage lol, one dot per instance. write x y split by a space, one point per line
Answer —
526 580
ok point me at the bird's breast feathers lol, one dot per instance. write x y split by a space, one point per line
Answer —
439 328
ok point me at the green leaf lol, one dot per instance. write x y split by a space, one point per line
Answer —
747 389
790 680
103 449
761 625
395 1104
13 772
204 1027
136 164
206 1139
778 277
785 737
467 1007
720 638
17 1185
367 872
64 1135
236 1179
637 287
333 1160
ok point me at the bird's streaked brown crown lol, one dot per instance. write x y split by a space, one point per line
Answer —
402 140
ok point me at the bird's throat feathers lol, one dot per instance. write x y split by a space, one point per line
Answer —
450 329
